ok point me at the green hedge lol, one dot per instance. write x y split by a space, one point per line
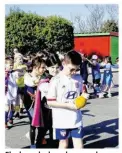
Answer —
31 32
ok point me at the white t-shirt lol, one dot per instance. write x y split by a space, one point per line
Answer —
43 88
11 94
65 89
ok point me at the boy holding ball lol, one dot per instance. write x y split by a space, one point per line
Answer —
63 91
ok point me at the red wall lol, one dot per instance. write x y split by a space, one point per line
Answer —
98 44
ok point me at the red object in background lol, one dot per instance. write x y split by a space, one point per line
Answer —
97 44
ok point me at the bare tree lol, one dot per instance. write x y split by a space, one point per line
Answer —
95 19
112 11
79 23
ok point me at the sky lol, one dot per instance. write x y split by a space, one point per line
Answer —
67 10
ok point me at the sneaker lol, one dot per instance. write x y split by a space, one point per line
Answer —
109 95
33 146
10 125
6 127
101 95
11 122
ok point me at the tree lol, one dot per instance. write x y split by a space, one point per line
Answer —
58 34
79 22
95 19
112 11
109 26
23 30
31 32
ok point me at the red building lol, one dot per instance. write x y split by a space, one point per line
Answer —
103 44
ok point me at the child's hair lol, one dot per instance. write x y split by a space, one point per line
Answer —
109 59
9 60
37 61
52 60
117 59
73 57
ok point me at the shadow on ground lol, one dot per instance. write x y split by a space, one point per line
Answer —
85 112
18 124
115 94
92 133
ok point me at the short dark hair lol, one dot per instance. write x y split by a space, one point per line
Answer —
73 57
37 61
52 60
109 59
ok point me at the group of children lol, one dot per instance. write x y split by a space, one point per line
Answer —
48 92
101 85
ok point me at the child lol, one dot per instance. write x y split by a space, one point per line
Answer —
96 75
84 72
31 81
63 89
10 92
21 68
107 77
53 66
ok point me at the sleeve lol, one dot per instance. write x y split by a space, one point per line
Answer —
108 66
12 88
116 66
43 88
15 66
28 80
52 91
81 84
16 74
79 79
30 90
102 65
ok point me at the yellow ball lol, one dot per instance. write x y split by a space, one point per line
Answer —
80 102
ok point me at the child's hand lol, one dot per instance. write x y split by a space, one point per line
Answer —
80 101
36 81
